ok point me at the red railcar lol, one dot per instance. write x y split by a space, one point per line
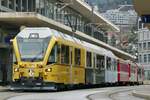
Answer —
123 71
129 72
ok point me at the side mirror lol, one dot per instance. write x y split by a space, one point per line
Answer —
11 40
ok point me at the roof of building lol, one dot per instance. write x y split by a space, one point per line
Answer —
126 7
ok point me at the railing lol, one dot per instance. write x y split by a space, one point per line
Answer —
51 11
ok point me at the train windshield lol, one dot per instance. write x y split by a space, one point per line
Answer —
32 49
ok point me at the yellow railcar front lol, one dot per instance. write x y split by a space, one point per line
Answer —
44 60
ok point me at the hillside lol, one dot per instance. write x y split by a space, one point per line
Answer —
104 5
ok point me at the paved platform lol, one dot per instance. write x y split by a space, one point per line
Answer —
3 88
147 82
142 94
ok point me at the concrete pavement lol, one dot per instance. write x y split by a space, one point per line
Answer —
142 94
85 94
119 93
3 88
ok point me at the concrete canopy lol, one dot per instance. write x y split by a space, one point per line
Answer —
32 19
94 17
142 7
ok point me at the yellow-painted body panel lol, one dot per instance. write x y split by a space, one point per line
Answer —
60 73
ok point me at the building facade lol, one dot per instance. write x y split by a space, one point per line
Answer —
144 48
124 17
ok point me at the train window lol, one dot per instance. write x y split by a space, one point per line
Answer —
77 56
140 72
108 63
14 58
100 62
132 68
64 54
53 55
94 60
115 64
145 58
89 59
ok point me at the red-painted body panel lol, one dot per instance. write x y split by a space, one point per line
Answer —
123 71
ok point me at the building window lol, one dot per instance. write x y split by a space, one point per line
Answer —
140 46
149 58
148 45
64 54
140 58
145 58
18 5
144 46
100 62
77 56
147 74
11 4
4 3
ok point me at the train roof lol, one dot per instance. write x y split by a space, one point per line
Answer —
42 32
47 32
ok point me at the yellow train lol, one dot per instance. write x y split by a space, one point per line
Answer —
44 59
48 59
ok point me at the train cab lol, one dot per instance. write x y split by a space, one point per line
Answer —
46 58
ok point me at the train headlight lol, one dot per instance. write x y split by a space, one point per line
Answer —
16 69
49 70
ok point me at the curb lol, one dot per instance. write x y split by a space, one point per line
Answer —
141 95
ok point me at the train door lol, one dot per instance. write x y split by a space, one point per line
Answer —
110 71
100 69
89 68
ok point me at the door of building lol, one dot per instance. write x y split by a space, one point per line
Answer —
5 65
